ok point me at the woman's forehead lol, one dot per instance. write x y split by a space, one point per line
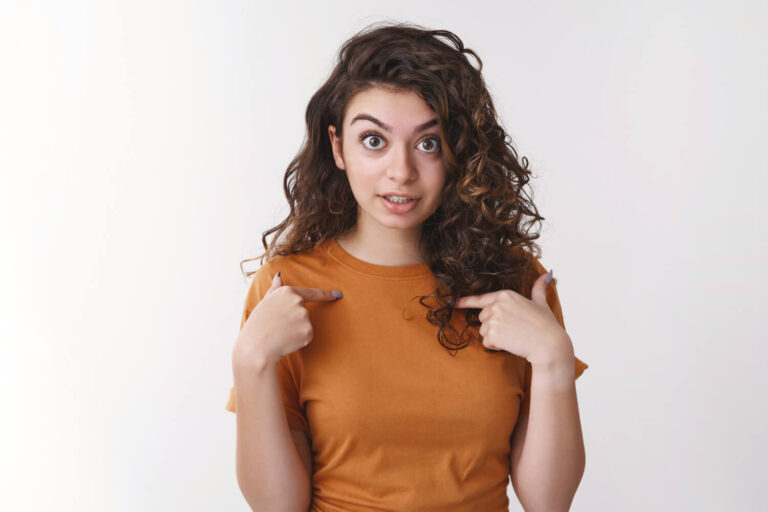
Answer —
391 111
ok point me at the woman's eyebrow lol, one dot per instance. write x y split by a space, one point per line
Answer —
386 127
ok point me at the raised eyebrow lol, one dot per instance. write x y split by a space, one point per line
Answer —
388 128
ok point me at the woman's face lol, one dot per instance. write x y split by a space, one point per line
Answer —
391 145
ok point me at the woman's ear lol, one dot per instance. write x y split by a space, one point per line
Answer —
336 147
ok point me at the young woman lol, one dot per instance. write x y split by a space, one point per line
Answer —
402 348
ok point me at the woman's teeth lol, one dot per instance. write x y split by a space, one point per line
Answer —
396 199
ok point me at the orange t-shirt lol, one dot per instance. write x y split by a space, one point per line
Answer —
395 422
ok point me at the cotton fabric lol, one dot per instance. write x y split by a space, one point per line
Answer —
395 422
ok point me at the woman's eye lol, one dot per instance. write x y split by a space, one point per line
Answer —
373 142
433 144
367 137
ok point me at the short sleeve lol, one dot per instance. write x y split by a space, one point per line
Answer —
286 373
554 304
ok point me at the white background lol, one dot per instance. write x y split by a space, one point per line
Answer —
142 150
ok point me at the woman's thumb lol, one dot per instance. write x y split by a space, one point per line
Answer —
539 291
277 282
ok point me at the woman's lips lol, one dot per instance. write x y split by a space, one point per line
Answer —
399 207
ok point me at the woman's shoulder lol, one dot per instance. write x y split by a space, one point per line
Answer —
531 265
531 261
307 259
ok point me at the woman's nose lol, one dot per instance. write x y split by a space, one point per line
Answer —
401 168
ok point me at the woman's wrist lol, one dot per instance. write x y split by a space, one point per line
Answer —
250 362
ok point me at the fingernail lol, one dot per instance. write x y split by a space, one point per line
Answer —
549 276
337 294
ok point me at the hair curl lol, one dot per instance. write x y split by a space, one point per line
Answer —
479 239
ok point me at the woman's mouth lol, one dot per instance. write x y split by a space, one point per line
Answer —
397 204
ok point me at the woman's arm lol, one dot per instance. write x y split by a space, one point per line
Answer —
270 470
548 458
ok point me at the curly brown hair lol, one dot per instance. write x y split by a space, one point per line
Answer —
479 239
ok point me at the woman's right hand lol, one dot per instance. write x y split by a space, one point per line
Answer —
278 325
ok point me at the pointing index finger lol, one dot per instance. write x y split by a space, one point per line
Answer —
316 294
475 301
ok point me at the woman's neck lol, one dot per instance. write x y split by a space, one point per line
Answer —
399 248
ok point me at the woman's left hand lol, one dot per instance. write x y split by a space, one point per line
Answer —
521 326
